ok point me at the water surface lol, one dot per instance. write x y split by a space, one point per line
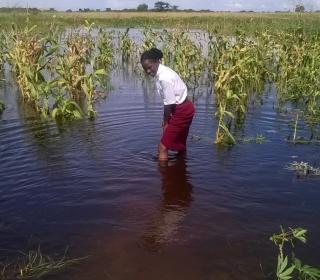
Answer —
95 186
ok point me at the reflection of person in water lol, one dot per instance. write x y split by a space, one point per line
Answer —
177 196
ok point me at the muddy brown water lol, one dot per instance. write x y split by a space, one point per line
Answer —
95 187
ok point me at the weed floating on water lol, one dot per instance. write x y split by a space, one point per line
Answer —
304 168
258 139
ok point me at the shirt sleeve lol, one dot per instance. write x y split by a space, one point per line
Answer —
167 93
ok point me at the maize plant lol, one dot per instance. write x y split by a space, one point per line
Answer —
149 39
30 55
184 56
127 46
239 73
72 62
88 85
104 58
297 81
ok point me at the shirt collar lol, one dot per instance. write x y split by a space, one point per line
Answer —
160 70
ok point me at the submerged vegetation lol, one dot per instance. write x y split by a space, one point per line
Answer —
258 139
35 265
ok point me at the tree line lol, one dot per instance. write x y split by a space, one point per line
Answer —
159 6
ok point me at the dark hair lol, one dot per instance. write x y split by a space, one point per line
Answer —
154 54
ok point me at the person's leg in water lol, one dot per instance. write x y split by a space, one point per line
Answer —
163 152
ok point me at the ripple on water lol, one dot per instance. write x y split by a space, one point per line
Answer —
97 186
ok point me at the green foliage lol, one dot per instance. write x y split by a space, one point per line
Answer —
72 67
2 107
72 61
284 270
289 267
149 38
161 6
299 8
66 110
47 68
183 55
127 46
30 54
297 78
240 71
142 7
104 58
306 271
35 265
226 23
3 48
88 86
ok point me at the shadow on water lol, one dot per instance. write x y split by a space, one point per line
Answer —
176 199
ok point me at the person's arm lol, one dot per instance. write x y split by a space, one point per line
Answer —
169 102
167 111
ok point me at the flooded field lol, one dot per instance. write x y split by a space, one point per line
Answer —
96 188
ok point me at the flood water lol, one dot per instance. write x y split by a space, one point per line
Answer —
96 188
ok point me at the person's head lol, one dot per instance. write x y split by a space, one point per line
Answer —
150 61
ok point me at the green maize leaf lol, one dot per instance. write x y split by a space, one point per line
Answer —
226 130
77 115
299 231
55 112
286 274
33 27
230 114
282 264
52 50
297 263
229 93
100 72
2 107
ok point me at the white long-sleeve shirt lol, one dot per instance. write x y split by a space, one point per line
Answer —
170 86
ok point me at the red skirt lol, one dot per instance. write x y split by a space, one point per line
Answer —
176 133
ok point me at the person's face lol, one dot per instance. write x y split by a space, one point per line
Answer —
150 66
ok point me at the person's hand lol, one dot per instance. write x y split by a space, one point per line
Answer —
164 125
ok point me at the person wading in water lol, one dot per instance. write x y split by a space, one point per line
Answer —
178 111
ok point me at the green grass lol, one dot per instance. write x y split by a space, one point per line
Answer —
35 265
225 23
